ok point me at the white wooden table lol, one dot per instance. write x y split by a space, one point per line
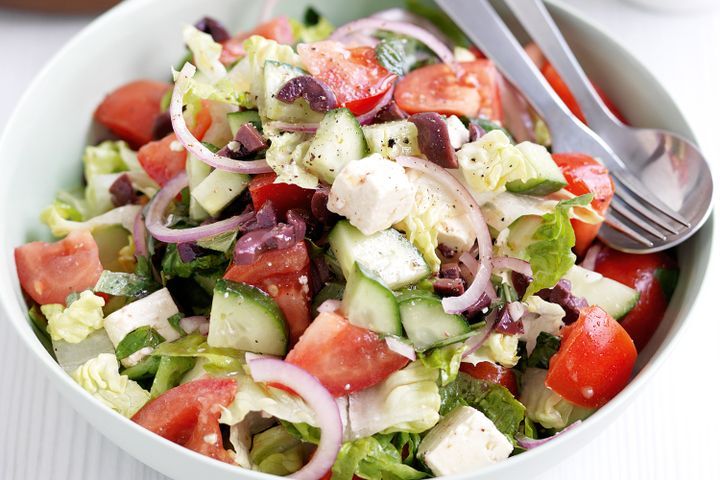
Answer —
669 432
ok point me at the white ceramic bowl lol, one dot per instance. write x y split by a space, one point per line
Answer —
44 139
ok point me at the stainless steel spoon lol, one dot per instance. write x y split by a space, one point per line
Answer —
656 164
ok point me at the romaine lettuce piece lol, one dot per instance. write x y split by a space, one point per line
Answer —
206 53
100 377
407 401
545 406
375 458
277 452
74 323
284 157
490 162
498 348
53 217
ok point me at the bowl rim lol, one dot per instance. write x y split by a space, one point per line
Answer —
12 312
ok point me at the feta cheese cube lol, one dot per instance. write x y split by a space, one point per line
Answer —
464 440
459 134
372 193
153 311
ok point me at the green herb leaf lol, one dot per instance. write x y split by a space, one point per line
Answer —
391 55
331 291
551 254
172 265
147 368
311 17
174 322
138 339
547 346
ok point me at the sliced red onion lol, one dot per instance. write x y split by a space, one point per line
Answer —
155 219
192 144
367 118
318 399
403 28
482 275
403 15
476 341
516 112
516 310
139 236
281 236
330 305
401 348
515 264
506 324
529 443
434 139
198 324
591 257
475 132
294 127
318 95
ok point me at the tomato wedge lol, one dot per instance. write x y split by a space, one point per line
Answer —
283 196
653 275
49 272
353 74
278 29
437 88
344 357
595 360
129 111
188 415
492 372
163 159
584 175
284 275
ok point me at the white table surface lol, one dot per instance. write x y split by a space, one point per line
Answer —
669 432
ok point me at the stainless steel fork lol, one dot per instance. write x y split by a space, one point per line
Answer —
643 221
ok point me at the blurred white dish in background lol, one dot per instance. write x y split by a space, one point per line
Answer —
678 5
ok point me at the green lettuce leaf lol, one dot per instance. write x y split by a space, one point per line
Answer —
206 53
169 373
219 361
277 452
57 217
373 458
550 254
74 323
545 406
141 337
172 265
547 345
446 360
492 399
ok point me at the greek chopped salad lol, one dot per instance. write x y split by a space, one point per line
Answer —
339 252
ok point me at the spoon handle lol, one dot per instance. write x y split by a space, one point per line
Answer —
486 29
536 20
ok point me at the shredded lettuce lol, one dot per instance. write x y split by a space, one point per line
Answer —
545 406
435 218
206 53
373 458
216 361
74 323
498 348
550 254
407 401
492 399
100 377
541 317
277 452
490 162
446 360
284 157
106 158
169 373
60 226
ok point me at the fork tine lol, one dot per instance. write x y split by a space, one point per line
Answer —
624 194
613 221
633 184
635 219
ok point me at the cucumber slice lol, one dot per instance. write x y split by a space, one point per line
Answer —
339 140
613 297
197 171
387 254
547 176
393 139
426 323
369 304
219 189
275 75
238 119
246 318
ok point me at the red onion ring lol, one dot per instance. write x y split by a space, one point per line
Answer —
476 341
528 443
329 306
516 310
318 399
591 257
482 275
403 28
154 221
401 348
192 144
520 266
368 117
139 236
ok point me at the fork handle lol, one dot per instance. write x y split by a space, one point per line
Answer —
486 29
536 20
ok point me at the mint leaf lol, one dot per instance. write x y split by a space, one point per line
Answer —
391 55
136 340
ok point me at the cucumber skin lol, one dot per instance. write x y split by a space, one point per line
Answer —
362 282
411 301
